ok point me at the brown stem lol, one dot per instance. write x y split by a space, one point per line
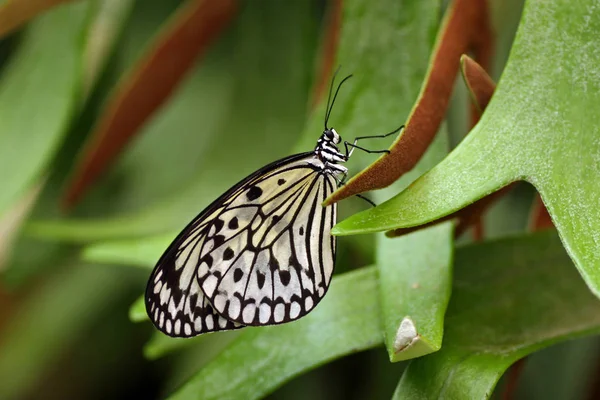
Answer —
481 88
512 379
148 86
329 49
539 218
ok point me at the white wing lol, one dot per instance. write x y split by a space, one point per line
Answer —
260 254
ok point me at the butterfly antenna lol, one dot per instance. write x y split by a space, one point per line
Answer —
334 97
329 96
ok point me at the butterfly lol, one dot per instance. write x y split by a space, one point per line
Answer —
260 254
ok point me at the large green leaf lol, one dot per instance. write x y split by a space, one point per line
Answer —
493 282
511 298
38 95
536 128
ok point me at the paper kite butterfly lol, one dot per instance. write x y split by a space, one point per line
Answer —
262 253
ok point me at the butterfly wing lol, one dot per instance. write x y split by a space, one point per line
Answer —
176 298
278 264
174 301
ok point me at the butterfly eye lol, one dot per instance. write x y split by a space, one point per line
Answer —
334 136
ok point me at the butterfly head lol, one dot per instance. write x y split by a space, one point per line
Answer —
327 149
331 135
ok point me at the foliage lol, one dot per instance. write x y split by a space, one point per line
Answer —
424 315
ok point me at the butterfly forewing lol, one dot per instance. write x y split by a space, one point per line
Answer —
282 268
260 254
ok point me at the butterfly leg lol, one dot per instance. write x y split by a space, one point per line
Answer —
360 196
342 182
354 145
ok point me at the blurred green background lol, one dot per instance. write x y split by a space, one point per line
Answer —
65 328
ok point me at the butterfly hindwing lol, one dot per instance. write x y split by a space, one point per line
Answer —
174 300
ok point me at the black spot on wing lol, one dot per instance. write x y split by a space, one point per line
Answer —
285 277
228 254
207 259
260 277
219 240
254 193
238 274
233 223
281 181
218 224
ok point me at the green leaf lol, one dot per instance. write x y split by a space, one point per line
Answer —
492 283
564 371
137 311
38 94
260 359
161 344
511 297
49 321
414 282
415 287
26 256
138 252
388 72
536 128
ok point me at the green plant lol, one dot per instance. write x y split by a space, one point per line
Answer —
81 92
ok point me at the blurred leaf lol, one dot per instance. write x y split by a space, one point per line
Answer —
14 13
414 282
107 26
138 252
137 311
45 325
487 325
148 85
535 128
11 221
161 344
562 372
38 92
213 131
479 84
539 217
508 216
28 256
